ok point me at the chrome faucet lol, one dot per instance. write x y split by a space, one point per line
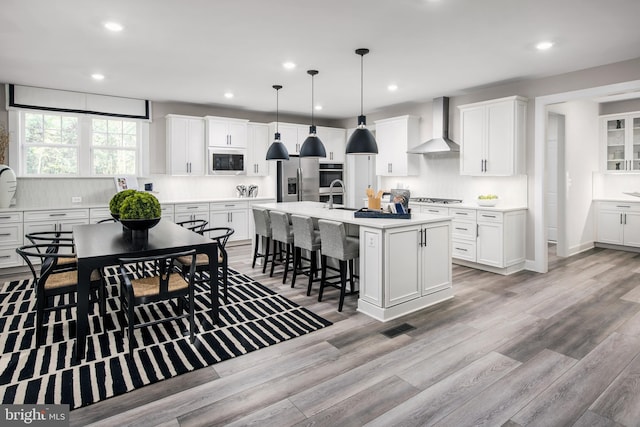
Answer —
334 182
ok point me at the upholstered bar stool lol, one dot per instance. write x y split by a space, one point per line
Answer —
307 238
262 223
281 233
335 243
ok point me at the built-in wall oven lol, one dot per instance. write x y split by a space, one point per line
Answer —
328 172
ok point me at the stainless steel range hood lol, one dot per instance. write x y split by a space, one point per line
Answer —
440 143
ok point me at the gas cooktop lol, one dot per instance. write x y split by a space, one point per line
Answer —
435 200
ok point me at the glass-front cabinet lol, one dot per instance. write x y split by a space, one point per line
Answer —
621 142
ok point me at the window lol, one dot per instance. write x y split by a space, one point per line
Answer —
66 144
50 144
114 146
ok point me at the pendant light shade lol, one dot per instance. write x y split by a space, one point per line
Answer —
277 150
362 140
312 146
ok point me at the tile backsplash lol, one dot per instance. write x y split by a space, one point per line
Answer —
59 192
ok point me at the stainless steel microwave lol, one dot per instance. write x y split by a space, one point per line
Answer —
226 162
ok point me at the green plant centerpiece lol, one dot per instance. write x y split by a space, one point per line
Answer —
140 205
116 202
138 213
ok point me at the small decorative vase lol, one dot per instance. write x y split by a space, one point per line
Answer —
8 184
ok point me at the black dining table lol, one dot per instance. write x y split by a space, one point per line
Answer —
101 245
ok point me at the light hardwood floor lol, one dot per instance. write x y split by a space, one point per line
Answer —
555 349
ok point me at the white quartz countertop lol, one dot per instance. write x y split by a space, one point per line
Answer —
317 210
464 205
65 205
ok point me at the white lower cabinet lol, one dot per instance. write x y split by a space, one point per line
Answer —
11 237
98 214
413 274
191 212
53 220
231 214
618 223
166 212
490 240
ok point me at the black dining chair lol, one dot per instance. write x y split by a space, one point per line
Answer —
162 281
53 280
195 225
41 237
221 236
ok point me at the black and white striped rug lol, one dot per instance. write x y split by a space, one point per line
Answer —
254 318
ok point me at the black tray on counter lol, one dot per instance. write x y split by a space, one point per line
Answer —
366 213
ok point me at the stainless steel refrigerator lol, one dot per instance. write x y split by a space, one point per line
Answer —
298 179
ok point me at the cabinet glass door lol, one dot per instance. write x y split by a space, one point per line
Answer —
616 144
636 143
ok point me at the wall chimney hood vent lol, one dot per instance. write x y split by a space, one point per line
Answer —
440 143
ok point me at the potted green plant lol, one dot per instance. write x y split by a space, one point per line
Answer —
140 211
116 202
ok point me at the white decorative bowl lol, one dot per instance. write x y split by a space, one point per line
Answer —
487 202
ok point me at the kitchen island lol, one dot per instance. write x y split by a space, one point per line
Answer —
405 264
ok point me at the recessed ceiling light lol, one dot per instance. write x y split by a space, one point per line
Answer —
228 95
544 45
318 107
392 87
289 65
97 76
113 26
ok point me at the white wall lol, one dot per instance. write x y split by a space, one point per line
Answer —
581 161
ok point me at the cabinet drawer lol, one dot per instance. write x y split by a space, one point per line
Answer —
10 217
191 207
618 206
489 216
219 206
11 235
9 258
469 214
464 249
463 230
56 215
435 210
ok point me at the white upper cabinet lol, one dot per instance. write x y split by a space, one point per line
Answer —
334 140
620 136
257 145
394 137
492 137
292 135
226 132
185 145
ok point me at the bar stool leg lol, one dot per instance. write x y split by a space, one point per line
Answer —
351 275
267 245
313 271
273 257
255 251
297 263
343 282
323 276
286 263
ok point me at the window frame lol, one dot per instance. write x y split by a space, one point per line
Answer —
17 145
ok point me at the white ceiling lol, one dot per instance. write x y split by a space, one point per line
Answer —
195 50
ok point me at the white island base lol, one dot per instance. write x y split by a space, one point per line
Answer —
405 264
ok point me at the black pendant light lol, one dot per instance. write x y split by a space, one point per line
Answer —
362 140
312 146
277 150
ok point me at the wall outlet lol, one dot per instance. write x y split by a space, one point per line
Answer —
76 199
